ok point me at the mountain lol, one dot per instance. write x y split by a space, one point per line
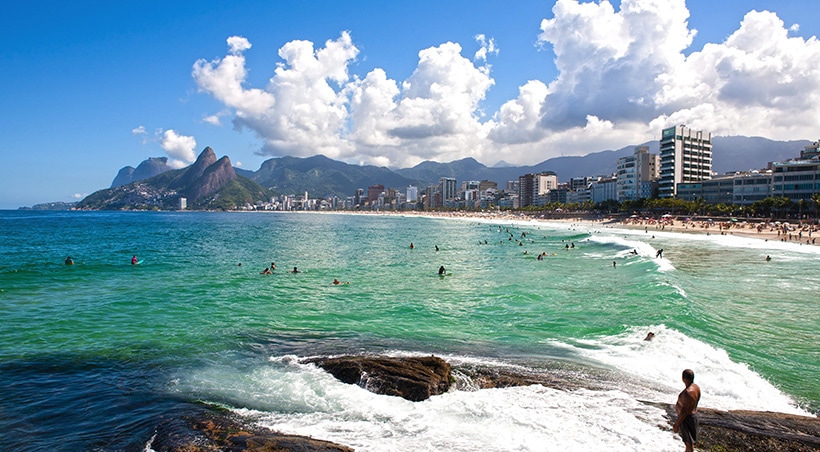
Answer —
207 184
730 154
147 169
321 176
214 184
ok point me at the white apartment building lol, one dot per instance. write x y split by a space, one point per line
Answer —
685 158
633 171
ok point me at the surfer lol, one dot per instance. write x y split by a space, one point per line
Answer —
442 271
266 271
768 258
134 260
659 254
337 282
649 336
687 410
69 261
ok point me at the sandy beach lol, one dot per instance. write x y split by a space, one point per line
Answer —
804 234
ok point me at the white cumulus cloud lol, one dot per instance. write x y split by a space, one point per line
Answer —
622 75
180 148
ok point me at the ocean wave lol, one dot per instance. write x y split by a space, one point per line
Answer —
726 385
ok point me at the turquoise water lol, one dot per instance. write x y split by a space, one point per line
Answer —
123 345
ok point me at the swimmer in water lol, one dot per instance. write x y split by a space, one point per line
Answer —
442 271
69 261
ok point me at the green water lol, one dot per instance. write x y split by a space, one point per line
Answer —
190 302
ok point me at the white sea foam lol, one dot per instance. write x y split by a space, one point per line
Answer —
302 399
726 385
522 418
296 398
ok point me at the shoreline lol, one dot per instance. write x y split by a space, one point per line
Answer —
765 231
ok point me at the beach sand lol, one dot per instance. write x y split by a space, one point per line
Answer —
776 231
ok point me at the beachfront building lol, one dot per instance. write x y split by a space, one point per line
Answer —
412 193
798 179
485 185
635 174
685 158
604 189
534 188
448 187
751 186
373 193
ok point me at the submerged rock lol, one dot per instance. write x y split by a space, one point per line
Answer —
411 378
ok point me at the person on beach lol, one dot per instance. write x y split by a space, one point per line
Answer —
134 260
687 411
442 271
69 261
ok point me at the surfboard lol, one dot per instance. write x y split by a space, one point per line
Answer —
139 261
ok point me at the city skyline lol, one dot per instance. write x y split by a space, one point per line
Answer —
91 88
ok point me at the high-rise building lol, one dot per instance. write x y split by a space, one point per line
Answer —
373 193
533 187
412 193
634 169
685 157
448 188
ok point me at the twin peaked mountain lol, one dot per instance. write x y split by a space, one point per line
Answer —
214 184
207 184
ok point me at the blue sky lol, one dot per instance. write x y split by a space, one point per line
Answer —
90 87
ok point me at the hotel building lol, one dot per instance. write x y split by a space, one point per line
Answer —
685 158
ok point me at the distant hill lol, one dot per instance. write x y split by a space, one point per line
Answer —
730 154
321 176
147 169
207 184
58 205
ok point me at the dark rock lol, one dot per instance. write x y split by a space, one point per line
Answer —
412 378
215 431
755 431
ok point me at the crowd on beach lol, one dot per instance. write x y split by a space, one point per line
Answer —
803 233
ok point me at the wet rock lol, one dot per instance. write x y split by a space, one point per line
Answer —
412 378
211 431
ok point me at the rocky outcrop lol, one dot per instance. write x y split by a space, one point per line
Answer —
754 431
418 378
412 378
217 431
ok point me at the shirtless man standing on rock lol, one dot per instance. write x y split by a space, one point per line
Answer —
687 409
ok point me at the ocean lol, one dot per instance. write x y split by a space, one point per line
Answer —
93 356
